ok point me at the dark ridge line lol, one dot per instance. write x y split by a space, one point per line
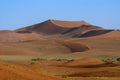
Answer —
92 33
70 30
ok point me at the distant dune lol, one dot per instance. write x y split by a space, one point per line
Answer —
52 27
59 29
56 29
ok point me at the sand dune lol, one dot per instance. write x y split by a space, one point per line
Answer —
60 29
10 71
52 27
85 62
55 29
11 36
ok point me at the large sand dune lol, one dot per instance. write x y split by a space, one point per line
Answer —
52 27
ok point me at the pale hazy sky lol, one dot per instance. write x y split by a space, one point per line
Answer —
19 13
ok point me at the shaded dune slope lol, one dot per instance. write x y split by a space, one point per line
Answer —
74 47
94 33
80 30
100 34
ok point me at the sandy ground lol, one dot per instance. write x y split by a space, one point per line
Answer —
56 70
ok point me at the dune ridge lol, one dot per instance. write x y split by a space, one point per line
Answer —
69 24
85 62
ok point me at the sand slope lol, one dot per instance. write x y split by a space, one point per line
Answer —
10 71
77 31
47 27
11 36
102 34
85 62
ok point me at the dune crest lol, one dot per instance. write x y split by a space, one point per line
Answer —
69 24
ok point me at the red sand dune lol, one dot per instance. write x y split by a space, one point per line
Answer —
85 62
52 26
56 29
63 28
10 71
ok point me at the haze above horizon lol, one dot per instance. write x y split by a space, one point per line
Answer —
20 13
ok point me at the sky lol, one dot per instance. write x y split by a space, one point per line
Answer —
20 13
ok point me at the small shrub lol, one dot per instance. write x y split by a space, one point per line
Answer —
64 76
70 60
58 59
109 60
118 59
32 63
37 59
